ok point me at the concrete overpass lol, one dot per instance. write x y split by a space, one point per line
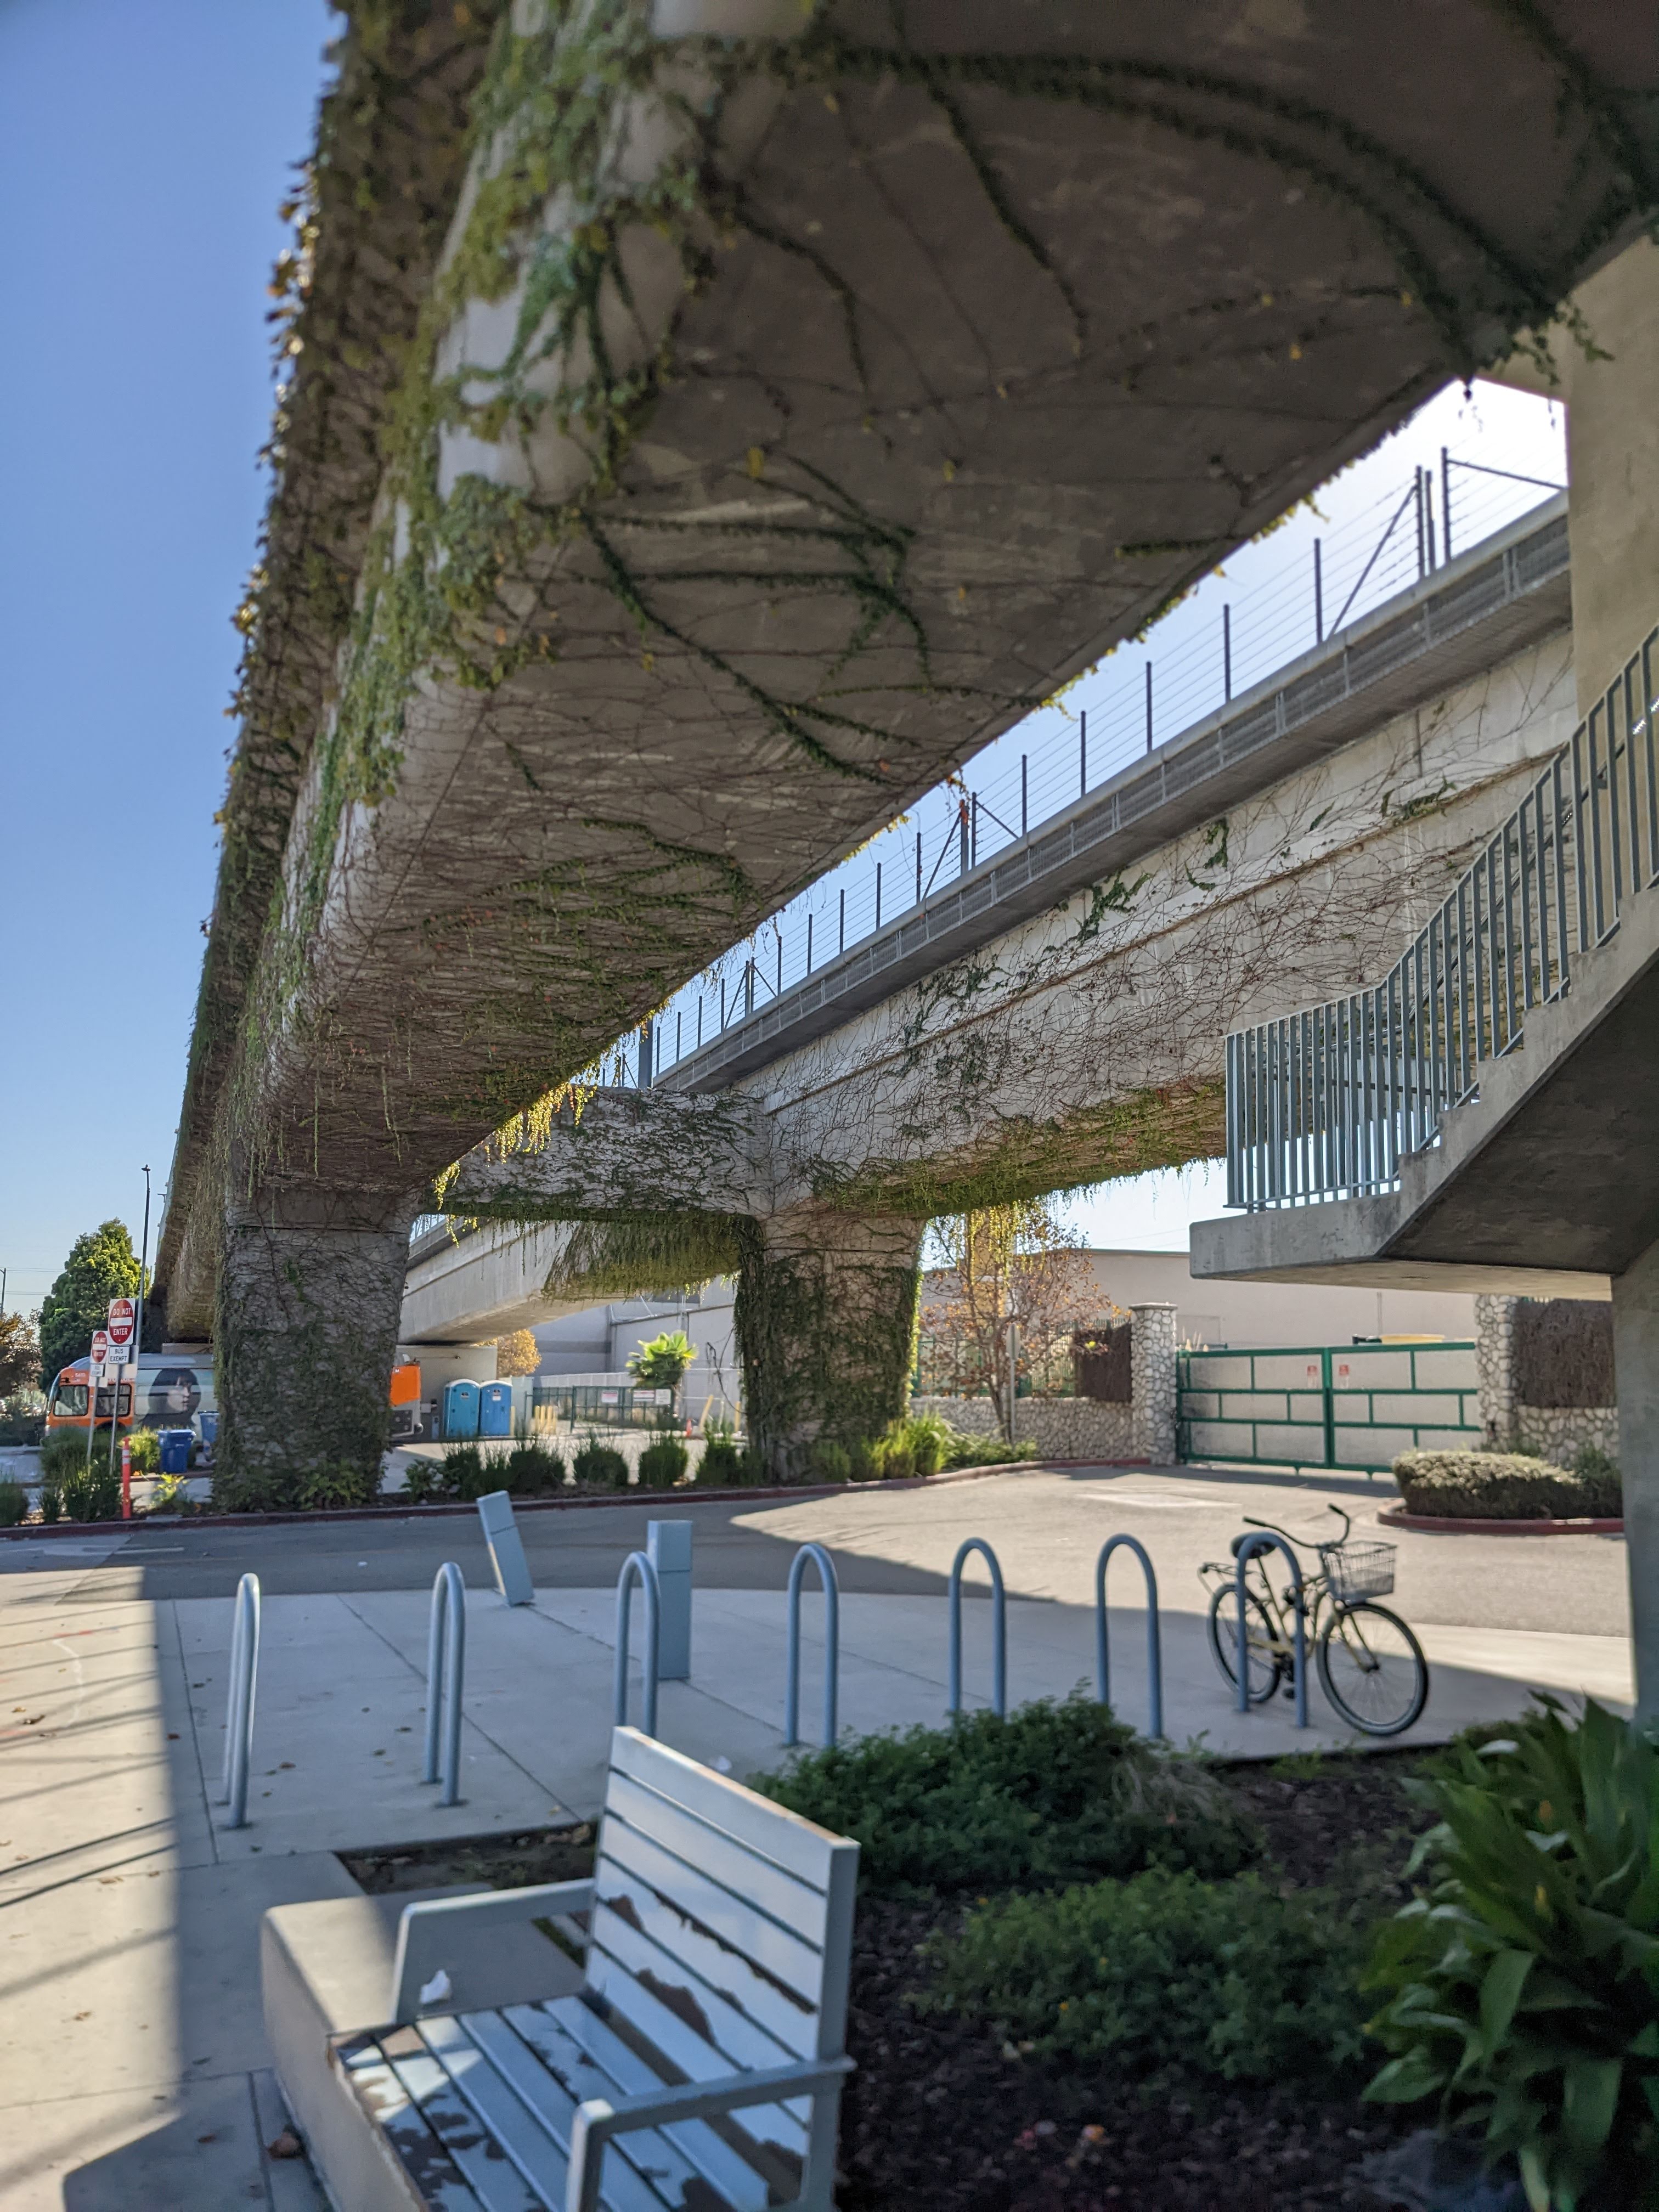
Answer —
703 430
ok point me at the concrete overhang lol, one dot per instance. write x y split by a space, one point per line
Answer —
1545 1184
1513 588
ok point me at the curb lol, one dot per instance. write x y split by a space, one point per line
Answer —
1395 1517
391 1511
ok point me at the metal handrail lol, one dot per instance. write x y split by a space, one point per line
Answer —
636 1563
999 1628
1263 1539
446 1668
813 1555
239 1717
1329 1103
1154 1642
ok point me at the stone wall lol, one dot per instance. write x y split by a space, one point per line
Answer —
1061 1428
1552 1433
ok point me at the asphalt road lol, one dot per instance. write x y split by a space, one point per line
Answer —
1046 1528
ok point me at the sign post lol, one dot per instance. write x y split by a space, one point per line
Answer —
121 1331
94 1378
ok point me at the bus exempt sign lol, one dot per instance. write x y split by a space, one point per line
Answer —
121 1319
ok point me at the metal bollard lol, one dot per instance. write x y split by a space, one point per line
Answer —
1154 1648
999 1628
1262 1541
501 1534
668 1547
813 1555
446 1668
238 1719
636 1563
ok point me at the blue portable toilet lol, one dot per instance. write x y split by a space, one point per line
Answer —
460 1409
495 1409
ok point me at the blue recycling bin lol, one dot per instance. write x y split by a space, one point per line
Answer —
495 1409
209 1431
460 1409
175 1451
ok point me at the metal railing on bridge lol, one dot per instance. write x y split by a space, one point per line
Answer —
1327 1103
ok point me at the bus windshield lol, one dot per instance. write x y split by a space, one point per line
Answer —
69 1401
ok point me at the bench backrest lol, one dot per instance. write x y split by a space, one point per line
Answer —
722 1923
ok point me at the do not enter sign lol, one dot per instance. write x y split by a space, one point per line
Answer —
99 1347
121 1317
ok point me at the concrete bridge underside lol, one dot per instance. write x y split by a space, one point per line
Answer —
705 430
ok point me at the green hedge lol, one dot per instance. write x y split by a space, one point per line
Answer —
1472 1485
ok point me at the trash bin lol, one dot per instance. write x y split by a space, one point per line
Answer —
209 1431
175 1451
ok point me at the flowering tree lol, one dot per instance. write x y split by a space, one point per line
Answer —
518 1353
1012 1281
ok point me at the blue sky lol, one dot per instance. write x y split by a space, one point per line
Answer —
143 151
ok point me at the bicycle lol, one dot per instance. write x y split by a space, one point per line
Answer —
1370 1665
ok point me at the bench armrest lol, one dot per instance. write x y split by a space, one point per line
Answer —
429 1930
600 2117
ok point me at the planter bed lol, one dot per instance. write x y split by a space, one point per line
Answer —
634 1494
1447 1525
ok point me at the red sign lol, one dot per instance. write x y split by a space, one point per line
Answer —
121 1318
99 1347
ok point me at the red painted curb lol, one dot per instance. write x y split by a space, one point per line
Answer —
1397 1517
393 1511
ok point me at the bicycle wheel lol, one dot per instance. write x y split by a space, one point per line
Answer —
1264 1662
1372 1669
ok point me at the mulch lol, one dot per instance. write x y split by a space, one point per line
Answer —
941 2116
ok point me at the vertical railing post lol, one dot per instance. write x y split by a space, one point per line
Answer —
999 1627
1227 653
239 1715
636 1565
1319 593
1263 1541
1154 1649
446 1671
813 1555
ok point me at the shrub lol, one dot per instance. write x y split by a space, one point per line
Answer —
64 1452
1594 1464
663 1463
51 1500
421 1482
1058 1792
332 1488
21 1428
531 1471
172 1495
466 1473
828 1461
600 1466
1162 1975
891 1458
929 1437
962 1450
92 1493
1523 1990
722 1463
14 1503
146 1450
1504 1487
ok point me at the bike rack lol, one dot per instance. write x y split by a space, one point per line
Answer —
446 1665
1154 1645
637 1563
238 1719
999 1628
1261 1539
813 1555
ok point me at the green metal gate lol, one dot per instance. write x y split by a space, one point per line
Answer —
1355 1405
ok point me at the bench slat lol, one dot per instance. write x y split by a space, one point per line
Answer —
799 1847
542 2163
614 1982
423 2157
591 2060
494 2181
718 1967
728 1912
793 1905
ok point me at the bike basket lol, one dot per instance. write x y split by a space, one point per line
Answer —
1358 1571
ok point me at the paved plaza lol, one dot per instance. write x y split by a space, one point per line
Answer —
128 1982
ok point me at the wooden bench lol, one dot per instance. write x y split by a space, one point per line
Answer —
699 2064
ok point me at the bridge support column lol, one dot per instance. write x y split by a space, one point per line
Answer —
826 1321
1636 1369
304 1338
1152 1383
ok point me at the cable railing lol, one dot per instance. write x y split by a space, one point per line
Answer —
1326 1103
1396 543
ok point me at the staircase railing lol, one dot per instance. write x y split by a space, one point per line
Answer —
1327 1103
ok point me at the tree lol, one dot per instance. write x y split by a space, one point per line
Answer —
1009 1272
660 1365
101 1266
518 1353
20 1353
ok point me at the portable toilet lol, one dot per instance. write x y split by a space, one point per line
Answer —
495 1409
460 1409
